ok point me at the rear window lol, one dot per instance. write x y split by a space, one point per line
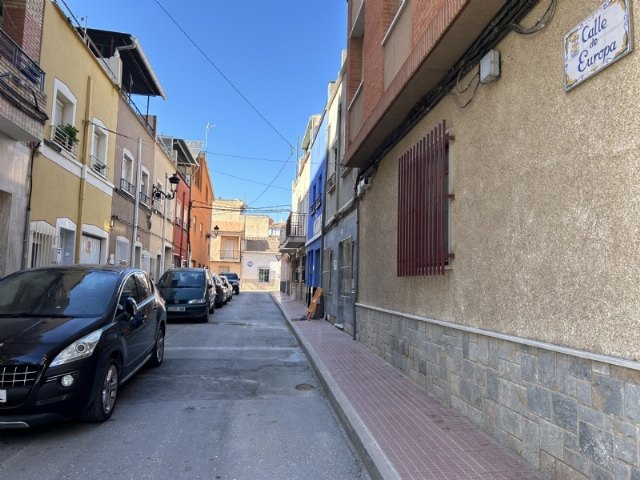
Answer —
180 279
230 276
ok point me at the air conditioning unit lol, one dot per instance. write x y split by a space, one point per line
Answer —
363 185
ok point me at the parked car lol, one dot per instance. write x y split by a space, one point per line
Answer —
235 281
227 284
70 336
188 293
220 290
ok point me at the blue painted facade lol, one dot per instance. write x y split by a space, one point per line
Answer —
316 207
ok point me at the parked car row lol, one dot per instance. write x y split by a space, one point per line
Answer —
70 336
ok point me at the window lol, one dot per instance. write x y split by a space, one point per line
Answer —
123 251
326 270
64 117
126 181
144 188
178 212
263 275
99 148
346 266
423 206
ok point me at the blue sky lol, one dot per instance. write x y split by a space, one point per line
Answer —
280 54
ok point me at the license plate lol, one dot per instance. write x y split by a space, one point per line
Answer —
3 396
176 309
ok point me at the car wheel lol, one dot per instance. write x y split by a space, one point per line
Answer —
157 355
105 392
205 317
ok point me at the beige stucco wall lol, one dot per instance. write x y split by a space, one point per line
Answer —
547 200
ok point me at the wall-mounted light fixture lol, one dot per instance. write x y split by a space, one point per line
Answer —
214 233
158 194
112 223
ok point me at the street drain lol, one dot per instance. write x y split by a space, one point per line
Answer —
304 387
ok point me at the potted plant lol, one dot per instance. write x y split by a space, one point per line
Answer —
70 134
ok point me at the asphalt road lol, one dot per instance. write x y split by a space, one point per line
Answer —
234 399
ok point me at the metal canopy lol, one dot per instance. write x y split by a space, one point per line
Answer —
138 77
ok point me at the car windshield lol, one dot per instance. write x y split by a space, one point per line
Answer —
179 279
55 293
231 276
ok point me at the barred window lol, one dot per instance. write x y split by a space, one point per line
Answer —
423 206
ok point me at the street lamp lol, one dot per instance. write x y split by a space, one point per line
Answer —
158 194
216 230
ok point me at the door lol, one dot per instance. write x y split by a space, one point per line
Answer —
133 327
90 250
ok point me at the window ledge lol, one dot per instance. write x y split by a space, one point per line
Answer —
356 95
394 22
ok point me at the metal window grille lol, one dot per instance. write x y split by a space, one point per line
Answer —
423 206
326 270
346 265
263 275
42 240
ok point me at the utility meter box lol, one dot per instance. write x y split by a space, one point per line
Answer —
490 67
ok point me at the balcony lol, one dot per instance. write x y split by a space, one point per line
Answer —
295 232
19 59
230 255
62 139
127 187
99 166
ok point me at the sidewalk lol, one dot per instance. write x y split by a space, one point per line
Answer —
399 431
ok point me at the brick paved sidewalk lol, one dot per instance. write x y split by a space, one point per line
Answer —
399 431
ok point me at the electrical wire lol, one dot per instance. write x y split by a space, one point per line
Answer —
221 73
540 24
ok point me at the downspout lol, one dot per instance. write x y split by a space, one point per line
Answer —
25 235
356 270
85 166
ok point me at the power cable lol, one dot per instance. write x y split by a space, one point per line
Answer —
221 73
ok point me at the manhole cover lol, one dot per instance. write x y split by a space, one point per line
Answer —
304 387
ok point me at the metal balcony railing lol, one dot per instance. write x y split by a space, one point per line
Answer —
229 254
19 59
63 140
296 225
99 166
126 186
145 199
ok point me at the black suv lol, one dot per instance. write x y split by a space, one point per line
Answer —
234 280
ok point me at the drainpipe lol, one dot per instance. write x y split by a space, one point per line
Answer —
136 206
25 236
356 258
85 156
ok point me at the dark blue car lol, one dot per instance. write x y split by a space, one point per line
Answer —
188 293
70 336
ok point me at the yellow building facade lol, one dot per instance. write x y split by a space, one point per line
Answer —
73 170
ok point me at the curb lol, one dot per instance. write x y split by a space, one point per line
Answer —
374 460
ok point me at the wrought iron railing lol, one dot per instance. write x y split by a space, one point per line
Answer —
296 225
99 166
127 187
61 138
145 199
229 254
19 59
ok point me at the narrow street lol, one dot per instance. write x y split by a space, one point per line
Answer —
234 399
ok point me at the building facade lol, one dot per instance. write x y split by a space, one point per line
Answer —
73 170
294 236
22 119
201 205
340 224
229 220
508 260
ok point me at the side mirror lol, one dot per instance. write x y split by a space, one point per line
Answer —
130 306
209 285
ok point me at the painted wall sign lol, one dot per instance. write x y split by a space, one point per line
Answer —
598 41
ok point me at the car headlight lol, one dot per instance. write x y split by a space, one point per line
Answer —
79 349
197 301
